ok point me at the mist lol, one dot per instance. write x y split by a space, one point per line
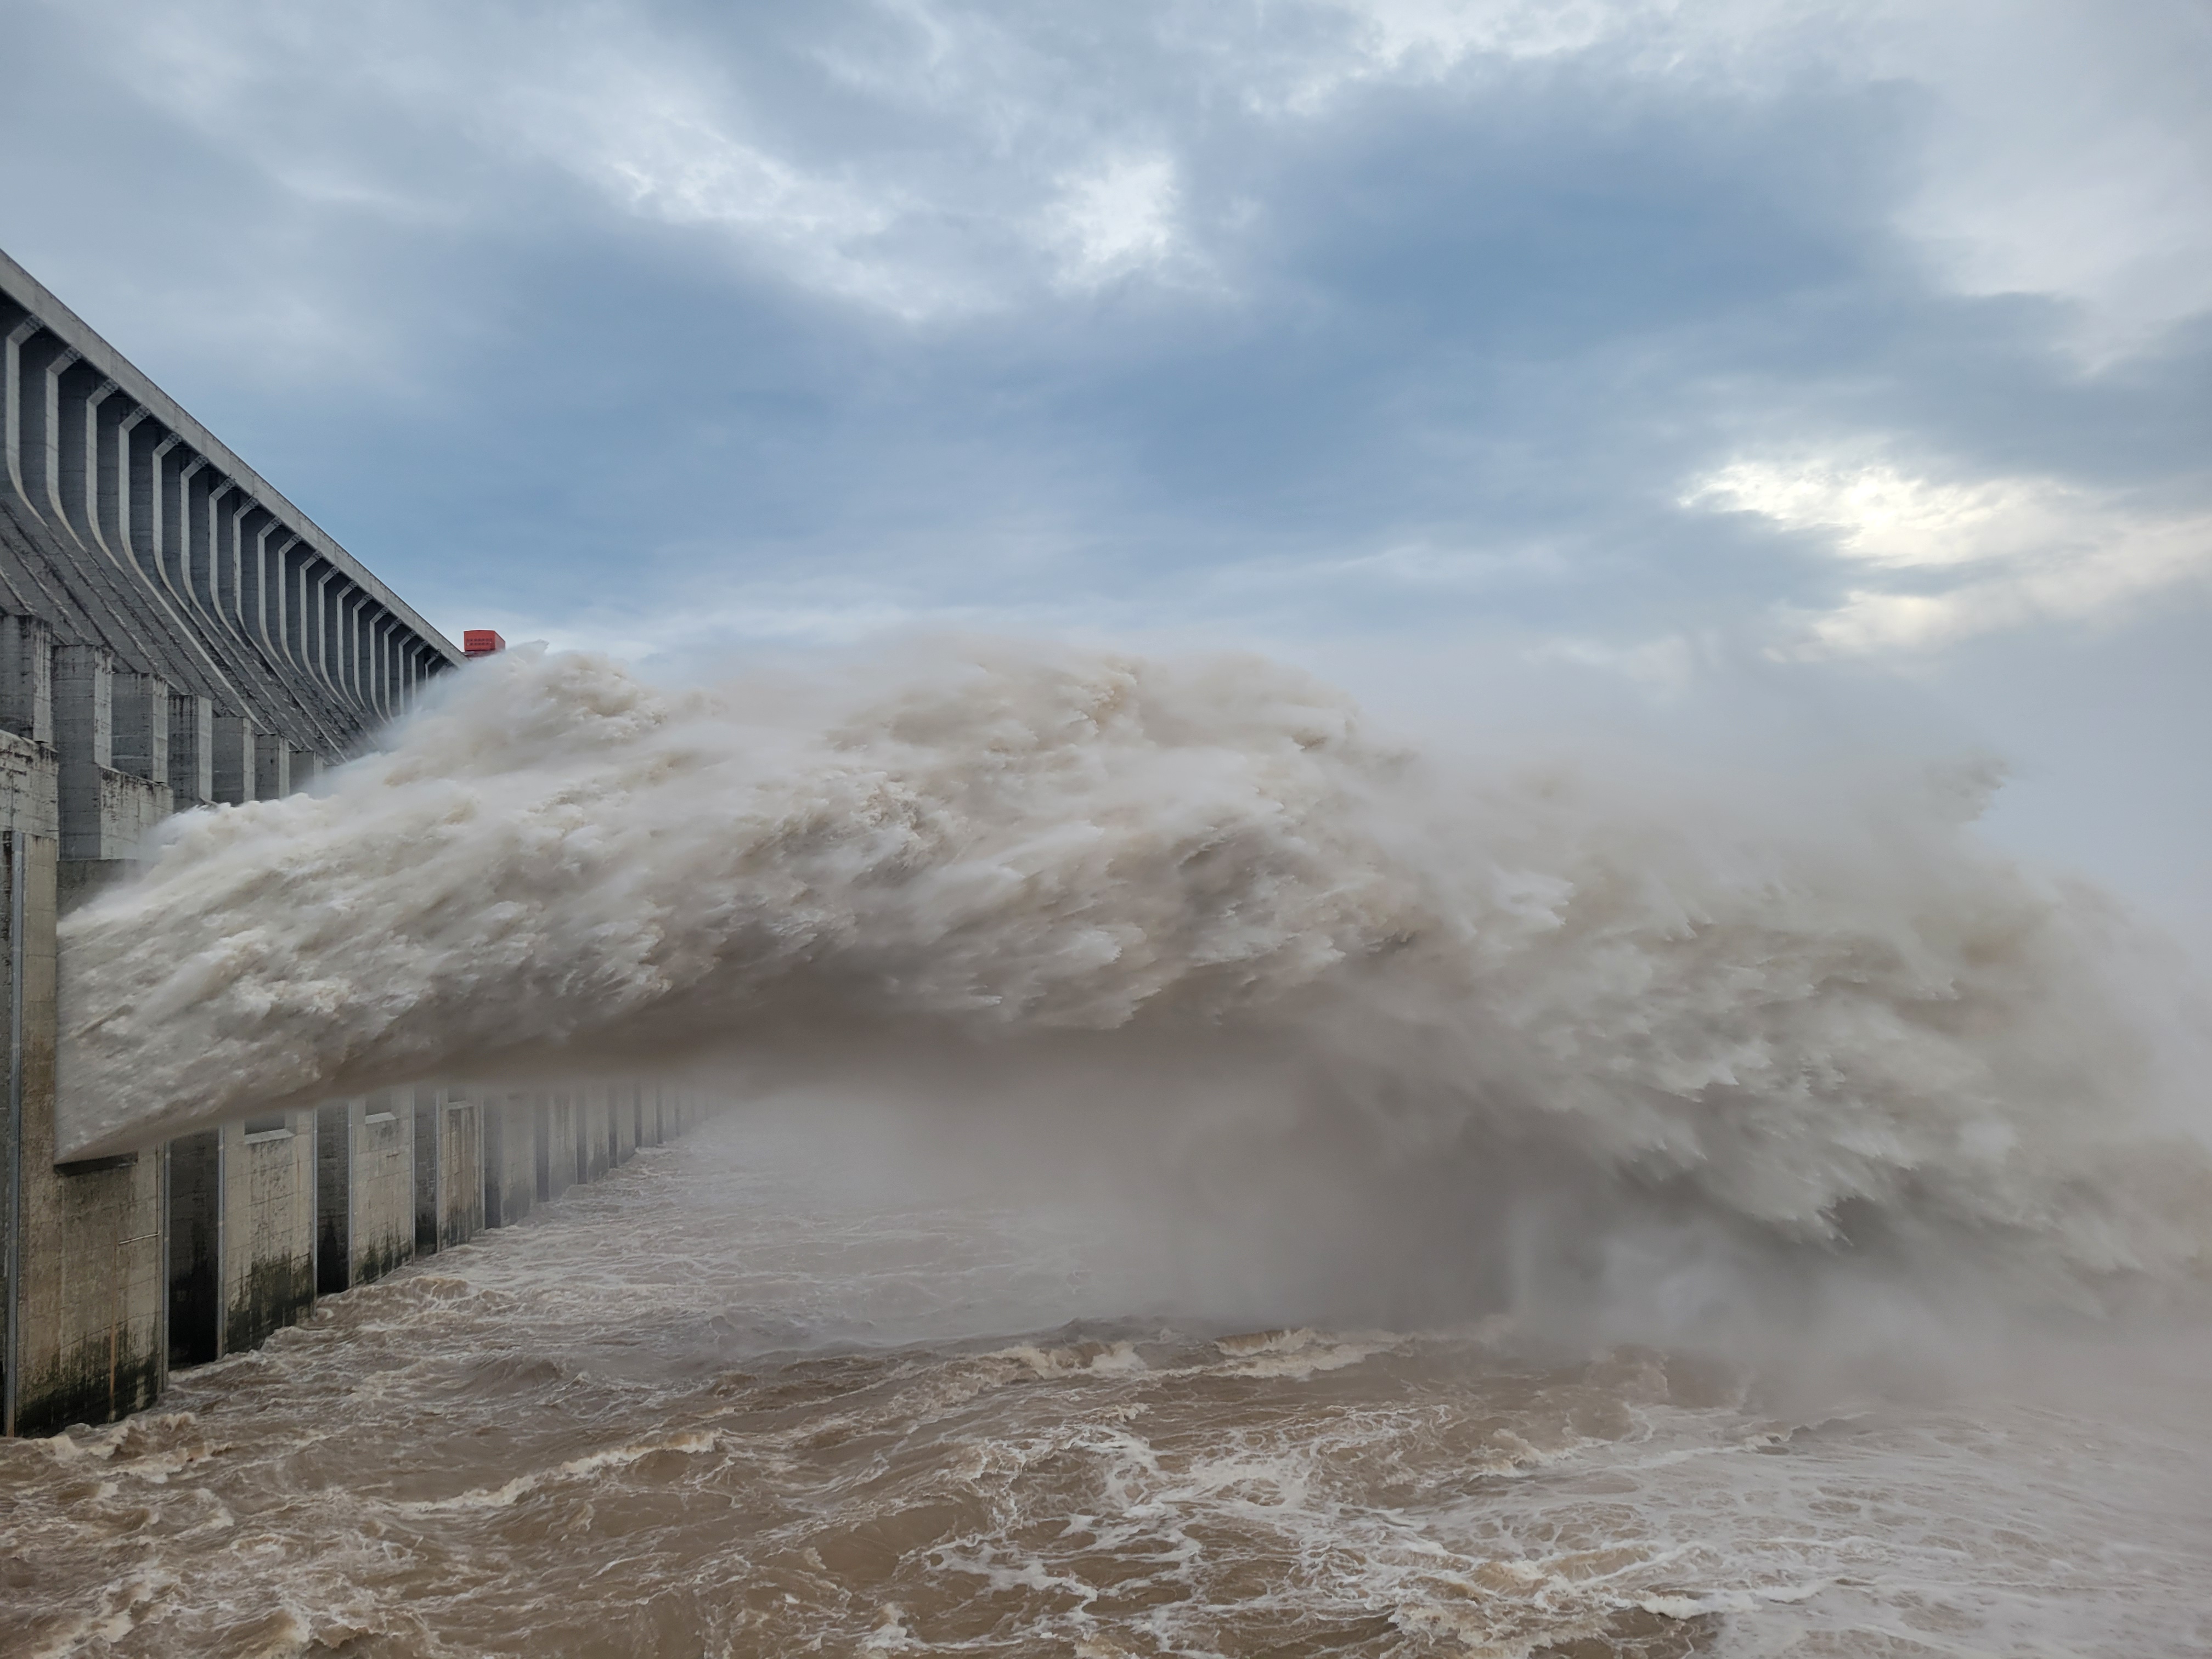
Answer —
1322 1024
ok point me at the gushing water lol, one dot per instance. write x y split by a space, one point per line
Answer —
1197 880
1503 1208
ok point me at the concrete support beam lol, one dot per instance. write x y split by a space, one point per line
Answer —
113 416
83 1338
622 1110
263 594
541 1147
42 360
453 1130
566 1155
27 678
140 443
107 813
510 1158
84 733
272 766
239 512
141 745
16 329
267 1167
173 524
460 1167
78 394
382 1231
192 751
194 554
600 1128
320 626
232 759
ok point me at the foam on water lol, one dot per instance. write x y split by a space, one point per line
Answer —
643 1424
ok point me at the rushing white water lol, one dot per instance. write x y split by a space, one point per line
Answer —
1540 995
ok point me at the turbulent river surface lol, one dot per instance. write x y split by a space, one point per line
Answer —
719 1405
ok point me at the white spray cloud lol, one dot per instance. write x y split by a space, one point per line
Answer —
1013 853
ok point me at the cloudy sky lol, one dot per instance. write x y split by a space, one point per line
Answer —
1741 351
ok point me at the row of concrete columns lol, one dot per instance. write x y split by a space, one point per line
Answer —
129 748
113 1267
279 622
174 634
88 757
260 1217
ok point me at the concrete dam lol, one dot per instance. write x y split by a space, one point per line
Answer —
176 635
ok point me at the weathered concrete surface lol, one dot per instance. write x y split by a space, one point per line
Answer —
564 1163
268 1210
460 1169
622 1109
86 1317
173 633
510 1157
383 1227
192 751
80 1335
595 1132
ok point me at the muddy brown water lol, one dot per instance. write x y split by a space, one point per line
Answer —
712 1407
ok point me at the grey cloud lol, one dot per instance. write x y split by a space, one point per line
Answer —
1332 314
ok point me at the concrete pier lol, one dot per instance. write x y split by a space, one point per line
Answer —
380 1148
266 1168
622 1109
595 1127
510 1156
459 1158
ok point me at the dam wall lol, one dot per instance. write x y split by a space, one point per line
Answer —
175 636
508 1153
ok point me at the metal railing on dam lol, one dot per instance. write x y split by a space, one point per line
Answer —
174 633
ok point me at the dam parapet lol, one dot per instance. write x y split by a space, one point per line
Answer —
175 634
